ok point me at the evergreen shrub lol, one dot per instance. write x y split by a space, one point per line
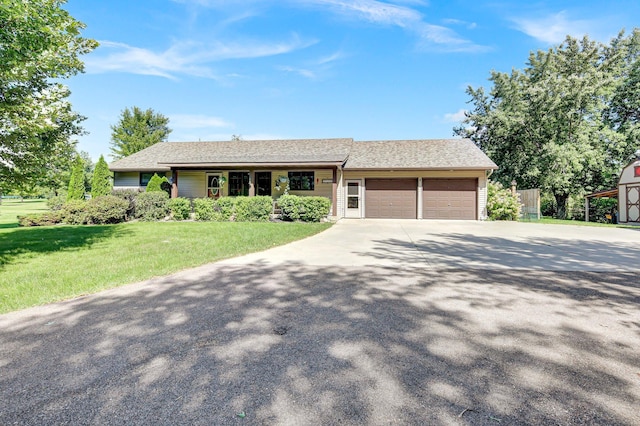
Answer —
180 208
151 206
106 209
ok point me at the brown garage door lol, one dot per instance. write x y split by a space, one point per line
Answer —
391 198
449 198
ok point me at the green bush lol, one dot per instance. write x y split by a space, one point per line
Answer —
253 209
224 209
155 183
129 195
180 208
307 209
501 203
315 208
291 207
74 212
150 206
55 203
40 219
203 209
106 209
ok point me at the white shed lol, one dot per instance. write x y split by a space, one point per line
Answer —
629 193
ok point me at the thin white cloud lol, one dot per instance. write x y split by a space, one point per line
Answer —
182 58
552 29
196 121
315 69
455 117
408 18
397 13
331 58
372 10
301 71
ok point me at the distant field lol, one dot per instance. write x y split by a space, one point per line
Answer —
11 208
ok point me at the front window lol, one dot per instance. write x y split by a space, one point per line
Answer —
301 181
238 183
146 177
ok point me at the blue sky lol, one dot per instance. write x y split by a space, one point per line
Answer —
270 69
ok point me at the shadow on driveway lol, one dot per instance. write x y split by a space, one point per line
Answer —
302 345
450 250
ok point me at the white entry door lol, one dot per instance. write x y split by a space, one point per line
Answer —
353 196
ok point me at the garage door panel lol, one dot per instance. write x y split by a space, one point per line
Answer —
391 198
449 199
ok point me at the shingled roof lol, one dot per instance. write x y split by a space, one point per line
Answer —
418 154
401 154
163 156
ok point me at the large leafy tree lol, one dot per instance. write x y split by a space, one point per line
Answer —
137 130
546 126
40 44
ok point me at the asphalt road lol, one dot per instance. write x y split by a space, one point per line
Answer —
250 341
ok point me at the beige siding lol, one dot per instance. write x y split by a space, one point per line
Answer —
126 180
340 195
191 184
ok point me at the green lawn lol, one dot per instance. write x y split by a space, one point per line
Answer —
10 208
552 221
44 264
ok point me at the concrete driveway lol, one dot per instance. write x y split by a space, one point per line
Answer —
461 244
371 322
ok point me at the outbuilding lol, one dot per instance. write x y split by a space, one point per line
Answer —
629 193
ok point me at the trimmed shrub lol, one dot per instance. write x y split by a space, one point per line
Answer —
501 203
224 209
129 195
253 209
314 208
73 212
307 209
152 206
40 219
291 207
155 183
106 209
203 209
180 208
55 203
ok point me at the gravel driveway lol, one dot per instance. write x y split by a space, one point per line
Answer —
412 326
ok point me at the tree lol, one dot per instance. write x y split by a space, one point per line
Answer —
101 182
76 183
545 126
40 44
137 130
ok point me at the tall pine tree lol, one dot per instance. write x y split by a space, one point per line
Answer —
76 183
101 183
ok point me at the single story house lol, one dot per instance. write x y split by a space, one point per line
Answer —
412 179
627 192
